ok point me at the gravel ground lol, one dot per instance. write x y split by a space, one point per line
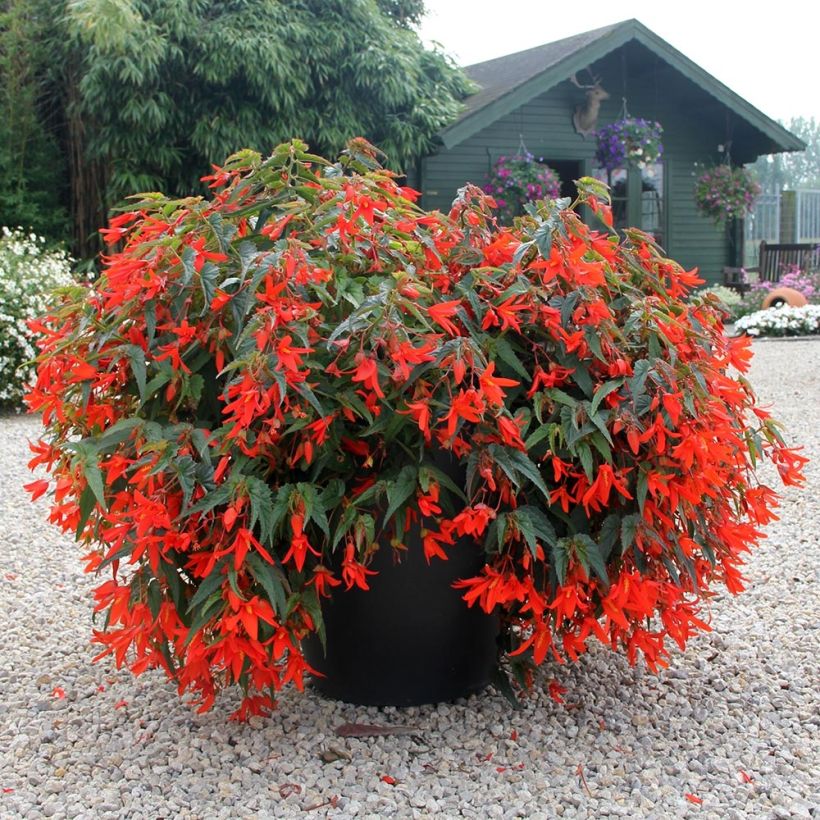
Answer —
733 723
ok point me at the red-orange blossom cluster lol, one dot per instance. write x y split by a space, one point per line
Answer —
252 390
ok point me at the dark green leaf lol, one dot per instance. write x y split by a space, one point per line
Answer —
399 490
602 392
629 526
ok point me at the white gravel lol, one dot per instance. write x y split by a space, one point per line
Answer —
735 721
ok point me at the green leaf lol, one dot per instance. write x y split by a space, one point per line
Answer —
95 481
207 280
640 371
221 495
537 436
260 496
204 615
643 486
116 434
508 355
136 356
310 601
400 490
513 462
609 534
185 469
87 504
501 682
272 580
585 455
590 556
208 586
561 397
602 392
541 525
560 559
525 526
629 526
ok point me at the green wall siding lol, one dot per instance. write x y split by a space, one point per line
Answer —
693 128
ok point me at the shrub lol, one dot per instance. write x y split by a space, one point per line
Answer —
257 385
28 272
781 321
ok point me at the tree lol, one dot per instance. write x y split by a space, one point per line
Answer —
154 92
800 169
30 162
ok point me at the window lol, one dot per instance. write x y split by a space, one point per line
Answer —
637 198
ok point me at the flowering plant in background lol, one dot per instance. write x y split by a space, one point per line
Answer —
730 298
781 321
802 281
724 192
629 141
520 179
257 385
29 271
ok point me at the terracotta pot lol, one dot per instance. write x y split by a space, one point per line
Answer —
788 296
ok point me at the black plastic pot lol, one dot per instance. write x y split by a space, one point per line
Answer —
410 639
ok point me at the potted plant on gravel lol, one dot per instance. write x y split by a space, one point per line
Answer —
272 399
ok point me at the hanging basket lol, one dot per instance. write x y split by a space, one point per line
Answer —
724 192
519 179
629 141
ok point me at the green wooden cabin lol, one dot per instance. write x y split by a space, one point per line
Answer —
528 99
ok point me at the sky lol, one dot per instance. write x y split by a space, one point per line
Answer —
770 58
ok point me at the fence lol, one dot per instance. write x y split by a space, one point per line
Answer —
807 216
763 223
786 217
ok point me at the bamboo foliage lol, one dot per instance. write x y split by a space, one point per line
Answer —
153 92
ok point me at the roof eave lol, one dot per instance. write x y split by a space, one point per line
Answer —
586 55
475 121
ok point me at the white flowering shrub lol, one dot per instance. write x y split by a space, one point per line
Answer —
28 274
781 321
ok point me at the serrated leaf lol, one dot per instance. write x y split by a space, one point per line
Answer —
629 526
560 559
640 370
643 486
260 496
136 357
524 525
514 462
585 455
87 504
588 549
608 535
207 280
602 392
93 476
507 355
272 580
399 490
208 586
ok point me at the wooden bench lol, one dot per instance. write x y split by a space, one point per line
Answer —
773 262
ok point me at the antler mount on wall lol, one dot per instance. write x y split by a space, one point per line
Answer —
585 118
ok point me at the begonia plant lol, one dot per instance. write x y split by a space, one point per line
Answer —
256 386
